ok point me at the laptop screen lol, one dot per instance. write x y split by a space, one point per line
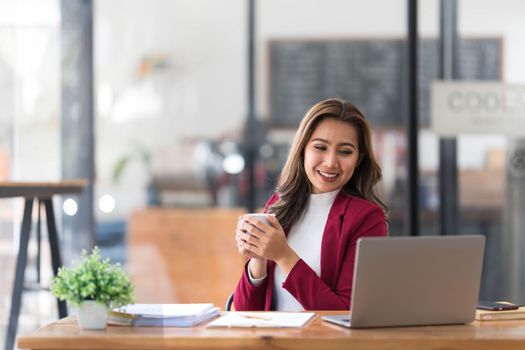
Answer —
401 281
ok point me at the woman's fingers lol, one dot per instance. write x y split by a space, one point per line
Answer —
247 237
240 222
253 231
254 222
244 249
274 223
246 240
258 227
256 237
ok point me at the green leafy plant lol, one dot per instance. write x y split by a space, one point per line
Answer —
138 152
93 278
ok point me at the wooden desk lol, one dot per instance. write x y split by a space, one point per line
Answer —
318 334
43 193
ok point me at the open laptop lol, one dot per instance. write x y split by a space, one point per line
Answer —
409 281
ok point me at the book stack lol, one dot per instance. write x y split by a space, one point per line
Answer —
162 315
517 314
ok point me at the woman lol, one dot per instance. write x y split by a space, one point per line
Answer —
324 202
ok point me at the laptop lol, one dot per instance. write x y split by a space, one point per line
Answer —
412 281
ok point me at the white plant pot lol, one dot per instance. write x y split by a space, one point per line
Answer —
91 316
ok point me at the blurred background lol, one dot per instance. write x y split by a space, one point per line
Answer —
180 130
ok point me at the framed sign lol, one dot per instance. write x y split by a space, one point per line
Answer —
460 107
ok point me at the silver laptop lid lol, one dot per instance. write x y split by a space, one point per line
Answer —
404 281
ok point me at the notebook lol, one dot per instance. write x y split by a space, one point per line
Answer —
484 315
162 315
410 281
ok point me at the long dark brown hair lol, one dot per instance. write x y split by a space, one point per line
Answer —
294 188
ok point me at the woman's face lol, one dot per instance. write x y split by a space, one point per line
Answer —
331 155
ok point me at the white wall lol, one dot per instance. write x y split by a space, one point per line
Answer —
199 93
29 89
503 18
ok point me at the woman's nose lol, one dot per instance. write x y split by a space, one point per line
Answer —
331 159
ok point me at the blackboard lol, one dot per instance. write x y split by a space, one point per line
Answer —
370 73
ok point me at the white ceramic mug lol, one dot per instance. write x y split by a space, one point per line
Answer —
262 217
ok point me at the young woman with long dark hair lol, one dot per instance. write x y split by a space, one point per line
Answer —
325 200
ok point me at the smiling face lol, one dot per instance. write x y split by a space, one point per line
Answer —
331 155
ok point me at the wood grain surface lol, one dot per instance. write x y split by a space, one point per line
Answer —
317 334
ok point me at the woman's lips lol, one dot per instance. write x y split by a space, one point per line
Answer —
326 176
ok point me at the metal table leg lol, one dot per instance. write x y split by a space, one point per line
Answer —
56 258
18 285
38 241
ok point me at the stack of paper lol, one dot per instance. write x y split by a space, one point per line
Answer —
517 314
262 319
162 315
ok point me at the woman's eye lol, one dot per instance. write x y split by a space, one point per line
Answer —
320 147
346 151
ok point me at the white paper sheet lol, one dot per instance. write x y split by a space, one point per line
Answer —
263 319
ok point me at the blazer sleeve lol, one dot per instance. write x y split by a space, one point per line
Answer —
311 290
248 297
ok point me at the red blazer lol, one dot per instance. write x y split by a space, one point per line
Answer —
349 219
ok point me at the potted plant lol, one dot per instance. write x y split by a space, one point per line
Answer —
93 286
140 153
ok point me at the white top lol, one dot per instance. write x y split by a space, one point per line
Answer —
305 239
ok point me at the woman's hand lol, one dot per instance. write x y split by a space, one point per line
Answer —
257 264
259 240
242 246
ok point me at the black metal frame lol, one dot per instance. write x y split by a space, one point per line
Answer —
250 145
56 261
412 212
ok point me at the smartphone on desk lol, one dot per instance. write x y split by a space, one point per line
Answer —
496 306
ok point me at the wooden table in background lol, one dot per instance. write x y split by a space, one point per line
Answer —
489 335
182 255
42 192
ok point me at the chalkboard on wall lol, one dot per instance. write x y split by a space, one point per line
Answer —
369 73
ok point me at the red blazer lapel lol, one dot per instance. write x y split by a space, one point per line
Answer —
330 259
